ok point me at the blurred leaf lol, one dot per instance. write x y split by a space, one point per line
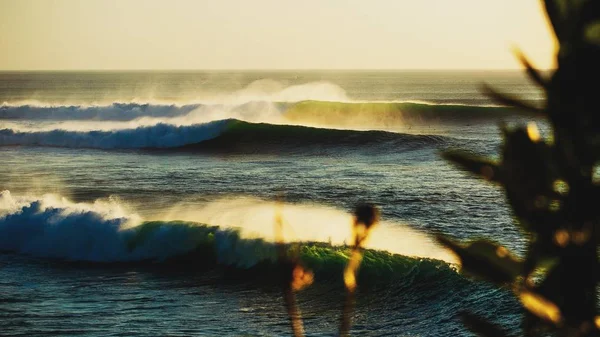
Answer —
533 73
592 33
590 13
553 9
539 257
481 326
486 260
540 306
531 173
477 165
511 101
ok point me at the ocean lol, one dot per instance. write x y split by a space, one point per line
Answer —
144 203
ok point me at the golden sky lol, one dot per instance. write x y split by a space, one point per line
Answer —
271 34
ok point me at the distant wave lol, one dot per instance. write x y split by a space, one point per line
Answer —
111 112
223 135
51 227
324 111
251 127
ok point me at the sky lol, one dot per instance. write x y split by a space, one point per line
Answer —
271 34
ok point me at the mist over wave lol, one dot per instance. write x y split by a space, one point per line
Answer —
264 90
310 104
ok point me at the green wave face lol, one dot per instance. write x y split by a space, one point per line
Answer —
212 246
246 137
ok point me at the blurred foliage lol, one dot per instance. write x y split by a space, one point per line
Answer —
295 276
550 186
366 217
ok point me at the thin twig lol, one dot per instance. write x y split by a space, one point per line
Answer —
291 271
365 217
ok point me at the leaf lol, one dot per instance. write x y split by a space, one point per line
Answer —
591 33
486 260
533 73
511 101
530 171
590 13
477 165
481 326
540 306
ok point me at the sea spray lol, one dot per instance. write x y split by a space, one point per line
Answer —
306 222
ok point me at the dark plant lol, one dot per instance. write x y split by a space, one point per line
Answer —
550 186
365 217
294 276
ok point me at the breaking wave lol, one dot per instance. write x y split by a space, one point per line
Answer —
106 232
245 126
222 135
156 136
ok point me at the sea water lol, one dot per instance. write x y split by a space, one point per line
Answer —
144 203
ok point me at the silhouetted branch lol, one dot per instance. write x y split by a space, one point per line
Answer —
511 101
365 217
533 73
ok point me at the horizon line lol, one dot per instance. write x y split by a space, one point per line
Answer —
252 70
273 70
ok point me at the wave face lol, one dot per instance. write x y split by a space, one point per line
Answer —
157 136
223 135
261 137
103 232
